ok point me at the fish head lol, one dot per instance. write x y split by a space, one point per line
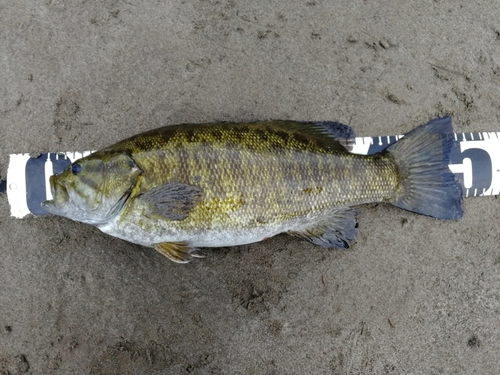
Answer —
93 189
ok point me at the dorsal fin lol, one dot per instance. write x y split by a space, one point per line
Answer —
334 135
320 129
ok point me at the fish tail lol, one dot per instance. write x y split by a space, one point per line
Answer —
427 185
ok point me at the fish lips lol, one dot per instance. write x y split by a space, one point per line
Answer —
60 197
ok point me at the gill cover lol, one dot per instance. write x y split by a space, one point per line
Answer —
93 189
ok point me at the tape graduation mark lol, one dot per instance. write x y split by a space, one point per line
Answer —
474 159
27 183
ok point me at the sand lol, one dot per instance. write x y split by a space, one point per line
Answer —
414 295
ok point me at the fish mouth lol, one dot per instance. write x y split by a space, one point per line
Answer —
60 196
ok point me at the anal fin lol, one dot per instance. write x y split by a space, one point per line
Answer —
337 229
178 252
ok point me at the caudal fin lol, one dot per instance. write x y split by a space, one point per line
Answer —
427 185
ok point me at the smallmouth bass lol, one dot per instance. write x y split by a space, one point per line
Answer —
182 187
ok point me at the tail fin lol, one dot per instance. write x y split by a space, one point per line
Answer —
427 185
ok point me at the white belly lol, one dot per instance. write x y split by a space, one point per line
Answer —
207 238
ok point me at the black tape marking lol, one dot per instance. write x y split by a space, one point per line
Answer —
381 143
482 168
35 183
35 179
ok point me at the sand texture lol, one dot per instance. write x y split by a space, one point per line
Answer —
414 295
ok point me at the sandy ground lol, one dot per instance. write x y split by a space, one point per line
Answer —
413 296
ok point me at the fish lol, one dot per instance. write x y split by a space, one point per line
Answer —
184 187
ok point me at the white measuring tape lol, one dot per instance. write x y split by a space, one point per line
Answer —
474 159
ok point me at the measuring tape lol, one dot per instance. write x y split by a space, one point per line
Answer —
474 159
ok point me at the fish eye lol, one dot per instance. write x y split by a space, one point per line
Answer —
76 168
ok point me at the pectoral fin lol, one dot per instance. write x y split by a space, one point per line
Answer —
337 229
178 252
174 200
